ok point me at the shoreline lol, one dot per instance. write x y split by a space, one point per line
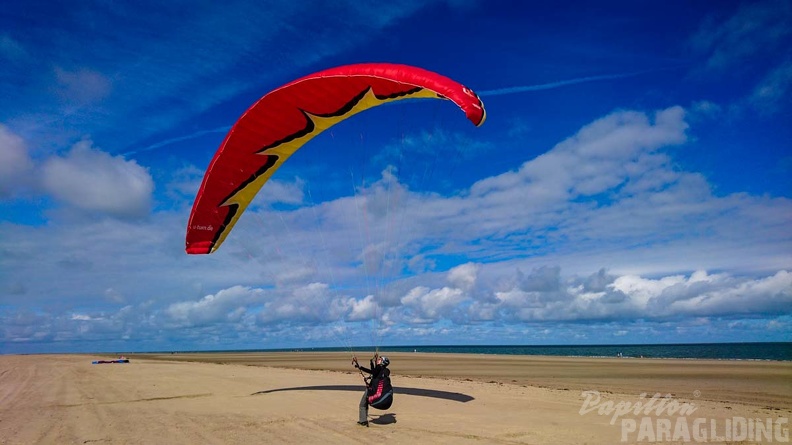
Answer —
296 351
159 354
676 351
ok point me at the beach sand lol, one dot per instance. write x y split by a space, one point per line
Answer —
311 398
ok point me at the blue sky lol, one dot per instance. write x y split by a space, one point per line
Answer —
631 183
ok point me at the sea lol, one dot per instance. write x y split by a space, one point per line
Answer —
717 351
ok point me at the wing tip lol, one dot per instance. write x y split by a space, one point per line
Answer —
199 248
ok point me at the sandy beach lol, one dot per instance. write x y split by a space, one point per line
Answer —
440 398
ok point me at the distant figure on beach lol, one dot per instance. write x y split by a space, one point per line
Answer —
379 392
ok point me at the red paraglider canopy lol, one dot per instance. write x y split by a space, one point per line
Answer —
288 117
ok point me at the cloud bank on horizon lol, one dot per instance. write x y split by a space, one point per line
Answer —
590 208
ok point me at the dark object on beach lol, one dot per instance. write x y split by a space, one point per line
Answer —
101 362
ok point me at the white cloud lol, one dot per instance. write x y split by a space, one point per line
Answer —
427 305
755 28
435 144
226 306
550 242
728 295
534 298
184 184
281 192
82 317
311 303
706 109
95 181
83 86
365 309
159 79
11 50
114 296
599 157
773 90
751 44
16 166
464 276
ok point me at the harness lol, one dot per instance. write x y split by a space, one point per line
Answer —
381 396
380 393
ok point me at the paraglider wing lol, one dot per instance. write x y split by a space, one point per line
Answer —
285 119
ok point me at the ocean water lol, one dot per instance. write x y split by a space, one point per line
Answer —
718 351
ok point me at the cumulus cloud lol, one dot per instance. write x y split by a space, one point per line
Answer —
226 306
25 326
602 230
545 295
464 276
282 192
92 180
422 304
721 294
427 305
365 309
599 157
574 196
311 303
184 183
